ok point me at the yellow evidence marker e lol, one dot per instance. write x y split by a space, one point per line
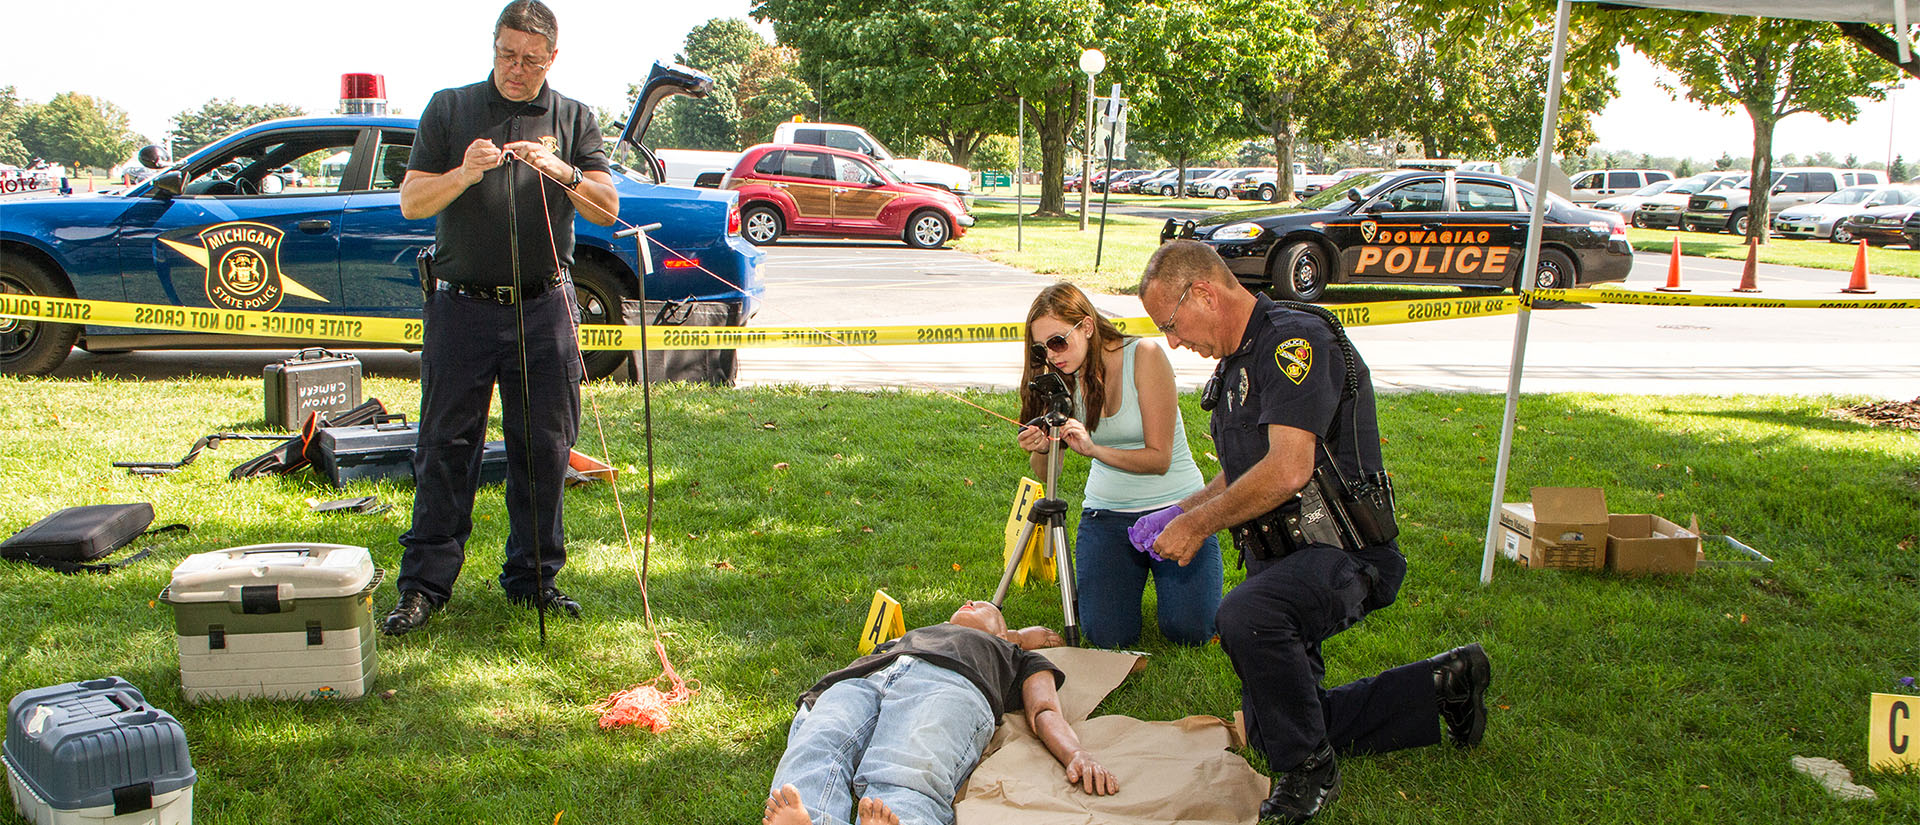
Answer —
885 622
1893 733
1024 496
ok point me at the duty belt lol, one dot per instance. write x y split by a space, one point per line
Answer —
504 295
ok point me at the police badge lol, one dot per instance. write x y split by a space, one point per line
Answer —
242 262
1368 230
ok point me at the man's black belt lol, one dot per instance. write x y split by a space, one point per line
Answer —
504 295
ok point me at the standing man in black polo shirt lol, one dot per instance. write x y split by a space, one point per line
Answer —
502 311
1282 391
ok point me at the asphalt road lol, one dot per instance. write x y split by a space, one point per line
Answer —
1598 348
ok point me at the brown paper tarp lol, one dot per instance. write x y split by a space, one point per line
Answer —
1169 772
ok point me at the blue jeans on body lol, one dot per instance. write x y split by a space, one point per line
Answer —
1111 576
908 734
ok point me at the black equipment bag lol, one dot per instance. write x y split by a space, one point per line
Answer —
291 454
74 539
314 381
694 366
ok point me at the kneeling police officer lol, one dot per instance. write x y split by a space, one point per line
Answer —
1303 492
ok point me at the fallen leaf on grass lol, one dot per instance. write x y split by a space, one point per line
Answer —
723 564
968 481
1743 618
781 466
768 425
866 529
1906 543
956 567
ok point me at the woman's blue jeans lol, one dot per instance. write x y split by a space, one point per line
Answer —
1112 576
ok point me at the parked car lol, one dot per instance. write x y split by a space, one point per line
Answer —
1263 185
1117 183
1150 184
817 190
343 249
1880 223
1821 219
1172 185
1413 227
1664 210
1626 205
1595 185
1725 210
1219 184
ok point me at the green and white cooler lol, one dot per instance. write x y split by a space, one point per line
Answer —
276 621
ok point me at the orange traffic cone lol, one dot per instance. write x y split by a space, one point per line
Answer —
1673 270
1747 280
1859 284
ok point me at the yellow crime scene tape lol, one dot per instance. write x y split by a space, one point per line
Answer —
407 332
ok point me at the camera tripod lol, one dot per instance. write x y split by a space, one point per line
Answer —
1048 515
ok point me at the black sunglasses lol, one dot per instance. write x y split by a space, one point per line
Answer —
1056 343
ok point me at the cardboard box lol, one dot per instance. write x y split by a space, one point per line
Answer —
1642 543
1562 527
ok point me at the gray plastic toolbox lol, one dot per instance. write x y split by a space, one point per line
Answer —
96 752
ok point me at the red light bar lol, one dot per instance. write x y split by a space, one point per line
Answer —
682 263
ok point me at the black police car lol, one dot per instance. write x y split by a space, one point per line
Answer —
1413 226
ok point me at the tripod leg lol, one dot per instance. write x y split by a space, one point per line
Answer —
1069 598
1013 564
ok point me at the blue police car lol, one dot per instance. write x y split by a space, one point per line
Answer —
226 228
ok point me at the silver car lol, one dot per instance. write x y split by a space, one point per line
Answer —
1626 205
1821 219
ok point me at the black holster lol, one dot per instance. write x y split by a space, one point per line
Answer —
423 263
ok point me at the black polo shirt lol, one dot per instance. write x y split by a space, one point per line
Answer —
471 237
1289 370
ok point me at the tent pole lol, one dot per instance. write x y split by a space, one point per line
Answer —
1528 267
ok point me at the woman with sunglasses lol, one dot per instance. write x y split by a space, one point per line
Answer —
1127 420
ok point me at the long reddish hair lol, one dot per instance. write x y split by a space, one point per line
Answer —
1067 303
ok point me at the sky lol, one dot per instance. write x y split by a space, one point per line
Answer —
155 65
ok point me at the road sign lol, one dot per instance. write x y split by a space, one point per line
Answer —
996 177
1113 127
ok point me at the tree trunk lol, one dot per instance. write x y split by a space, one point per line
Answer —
961 146
1761 182
1283 184
1055 119
1180 177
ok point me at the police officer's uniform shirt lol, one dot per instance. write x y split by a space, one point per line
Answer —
1289 370
471 233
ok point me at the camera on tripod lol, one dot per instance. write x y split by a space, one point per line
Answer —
1056 399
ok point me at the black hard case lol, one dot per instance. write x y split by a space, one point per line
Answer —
385 450
77 535
316 380
694 366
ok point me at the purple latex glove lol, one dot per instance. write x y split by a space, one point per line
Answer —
1147 529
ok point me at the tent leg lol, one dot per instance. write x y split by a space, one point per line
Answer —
1529 265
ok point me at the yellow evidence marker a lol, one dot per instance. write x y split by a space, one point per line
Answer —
1031 559
1893 732
885 622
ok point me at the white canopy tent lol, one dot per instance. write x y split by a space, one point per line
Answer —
1894 12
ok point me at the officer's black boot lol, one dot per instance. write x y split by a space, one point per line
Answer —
411 612
1299 794
1460 679
549 599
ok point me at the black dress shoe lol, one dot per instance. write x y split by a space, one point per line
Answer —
550 599
1460 679
410 613
1300 794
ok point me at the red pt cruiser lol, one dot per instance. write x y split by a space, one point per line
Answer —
788 189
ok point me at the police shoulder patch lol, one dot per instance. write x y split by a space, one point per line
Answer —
1294 357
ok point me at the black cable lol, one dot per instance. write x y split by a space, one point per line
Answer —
526 403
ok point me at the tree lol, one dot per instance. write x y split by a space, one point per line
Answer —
78 131
1898 171
12 114
219 118
1177 52
1279 71
1771 68
949 70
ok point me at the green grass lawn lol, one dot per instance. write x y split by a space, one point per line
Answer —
1615 700
1817 254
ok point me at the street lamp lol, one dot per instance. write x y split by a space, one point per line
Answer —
1091 62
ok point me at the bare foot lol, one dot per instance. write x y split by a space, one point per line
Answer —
784 808
875 812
